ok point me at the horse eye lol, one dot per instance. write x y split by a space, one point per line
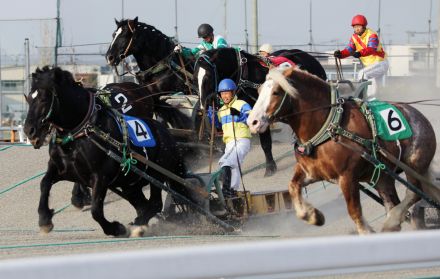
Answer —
276 93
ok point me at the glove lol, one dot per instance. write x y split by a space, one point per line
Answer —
337 54
357 54
178 49
234 111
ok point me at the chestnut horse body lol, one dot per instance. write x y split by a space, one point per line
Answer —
303 101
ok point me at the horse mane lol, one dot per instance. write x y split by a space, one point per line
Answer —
294 80
48 77
151 34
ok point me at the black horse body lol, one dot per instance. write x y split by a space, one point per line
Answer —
56 100
248 71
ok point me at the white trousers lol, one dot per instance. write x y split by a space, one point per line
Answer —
374 73
229 159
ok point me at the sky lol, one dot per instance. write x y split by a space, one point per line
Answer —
281 22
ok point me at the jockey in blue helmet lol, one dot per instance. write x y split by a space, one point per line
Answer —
232 117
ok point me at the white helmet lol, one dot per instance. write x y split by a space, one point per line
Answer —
266 48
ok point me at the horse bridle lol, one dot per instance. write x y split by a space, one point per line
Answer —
274 115
75 131
51 108
124 54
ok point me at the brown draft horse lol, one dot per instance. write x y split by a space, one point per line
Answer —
303 101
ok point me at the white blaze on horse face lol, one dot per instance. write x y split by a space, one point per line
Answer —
35 94
200 76
257 120
118 32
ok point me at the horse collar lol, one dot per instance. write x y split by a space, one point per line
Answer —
328 129
79 130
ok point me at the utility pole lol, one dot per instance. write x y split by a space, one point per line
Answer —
58 33
246 35
255 23
438 50
310 25
225 20
429 36
176 37
378 21
122 9
27 65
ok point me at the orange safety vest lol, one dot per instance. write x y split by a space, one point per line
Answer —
361 42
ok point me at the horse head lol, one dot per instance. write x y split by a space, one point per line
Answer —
122 42
48 84
146 43
274 99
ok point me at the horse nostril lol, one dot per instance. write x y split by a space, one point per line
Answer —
110 58
255 122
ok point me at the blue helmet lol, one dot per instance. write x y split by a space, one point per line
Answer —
226 84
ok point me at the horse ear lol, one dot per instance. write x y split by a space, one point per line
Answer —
117 22
135 20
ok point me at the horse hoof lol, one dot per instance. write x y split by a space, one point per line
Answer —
137 231
271 169
316 218
392 228
46 228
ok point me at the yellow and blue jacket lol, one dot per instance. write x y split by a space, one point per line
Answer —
225 120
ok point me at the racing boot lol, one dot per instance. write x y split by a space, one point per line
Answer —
226 189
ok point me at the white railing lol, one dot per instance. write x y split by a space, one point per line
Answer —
268 259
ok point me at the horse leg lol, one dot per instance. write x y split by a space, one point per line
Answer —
98 195
387 191
303 209
155 202
397 215
266 144
45 214
145 209
80 196
352 199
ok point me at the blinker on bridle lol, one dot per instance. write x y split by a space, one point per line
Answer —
49 113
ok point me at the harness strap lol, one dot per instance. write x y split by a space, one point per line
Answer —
327 130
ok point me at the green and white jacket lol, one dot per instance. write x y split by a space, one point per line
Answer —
218 42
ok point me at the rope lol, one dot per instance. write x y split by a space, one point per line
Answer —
6 147
21 182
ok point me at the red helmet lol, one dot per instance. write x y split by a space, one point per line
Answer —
359 20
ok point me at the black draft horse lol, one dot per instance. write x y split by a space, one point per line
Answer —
154 53
161 70
128 98
58 104
249 71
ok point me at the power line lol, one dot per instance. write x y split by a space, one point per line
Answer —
28 19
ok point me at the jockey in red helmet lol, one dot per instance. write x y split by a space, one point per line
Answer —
364 44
